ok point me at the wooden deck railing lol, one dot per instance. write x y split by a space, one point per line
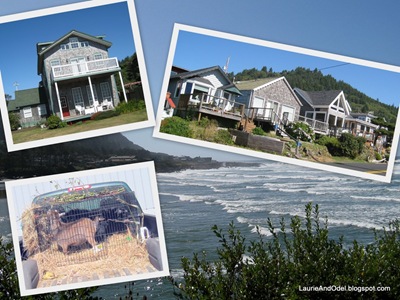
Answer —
216 105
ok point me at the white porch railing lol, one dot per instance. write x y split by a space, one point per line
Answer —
215 104
316 125
84 68
268 114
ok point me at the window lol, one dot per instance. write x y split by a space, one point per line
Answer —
42 110
74 44
55 62
177 91
105 90
27 112
89 93
77 96
98 56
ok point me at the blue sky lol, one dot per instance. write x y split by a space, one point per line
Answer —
112 21
210 50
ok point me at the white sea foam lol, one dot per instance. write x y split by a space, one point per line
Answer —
375 198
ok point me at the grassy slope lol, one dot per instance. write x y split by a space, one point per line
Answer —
35 133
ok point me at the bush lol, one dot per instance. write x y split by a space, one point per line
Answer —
14 120
258 131
177 126
104 115
350 145
282 266
54 122
301 131
331 143
130 106
223 137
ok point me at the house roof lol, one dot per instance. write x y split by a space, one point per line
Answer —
25 98
318 98
263 82
253 84
44 47
196 74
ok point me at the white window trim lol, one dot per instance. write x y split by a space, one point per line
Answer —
77 100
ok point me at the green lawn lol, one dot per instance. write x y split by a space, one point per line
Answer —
35 133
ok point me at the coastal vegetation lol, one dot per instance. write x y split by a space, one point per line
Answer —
295 261
346 146
205 129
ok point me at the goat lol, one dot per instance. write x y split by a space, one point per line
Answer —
74 233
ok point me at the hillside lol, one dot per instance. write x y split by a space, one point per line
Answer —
315 80
97 152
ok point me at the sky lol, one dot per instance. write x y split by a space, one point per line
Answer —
21 64
210 51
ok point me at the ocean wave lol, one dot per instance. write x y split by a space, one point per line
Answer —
359 224
264 231
375 198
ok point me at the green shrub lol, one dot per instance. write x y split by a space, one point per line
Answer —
223 137
14 120
177 126
350 145
258 131
378 156
54 122
130 106
105 115
331 143
301 131
281 266
206 122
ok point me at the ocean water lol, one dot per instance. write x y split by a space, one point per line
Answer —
192 201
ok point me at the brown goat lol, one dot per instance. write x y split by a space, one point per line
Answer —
74 233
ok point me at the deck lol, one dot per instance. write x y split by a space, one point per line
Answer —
211 105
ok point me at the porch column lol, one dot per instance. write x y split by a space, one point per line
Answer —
59 102
123 88
91 89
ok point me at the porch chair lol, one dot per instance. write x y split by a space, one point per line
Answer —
97 106
107 103
80 109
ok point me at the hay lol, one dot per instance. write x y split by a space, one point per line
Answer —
122 251
32 223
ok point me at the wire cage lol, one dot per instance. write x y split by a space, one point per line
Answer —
73 228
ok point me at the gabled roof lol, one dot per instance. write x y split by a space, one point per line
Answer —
199 72
196 74
263 82
44 47
25 98
318 98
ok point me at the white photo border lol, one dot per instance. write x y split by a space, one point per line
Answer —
150 188
319 166
150 122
